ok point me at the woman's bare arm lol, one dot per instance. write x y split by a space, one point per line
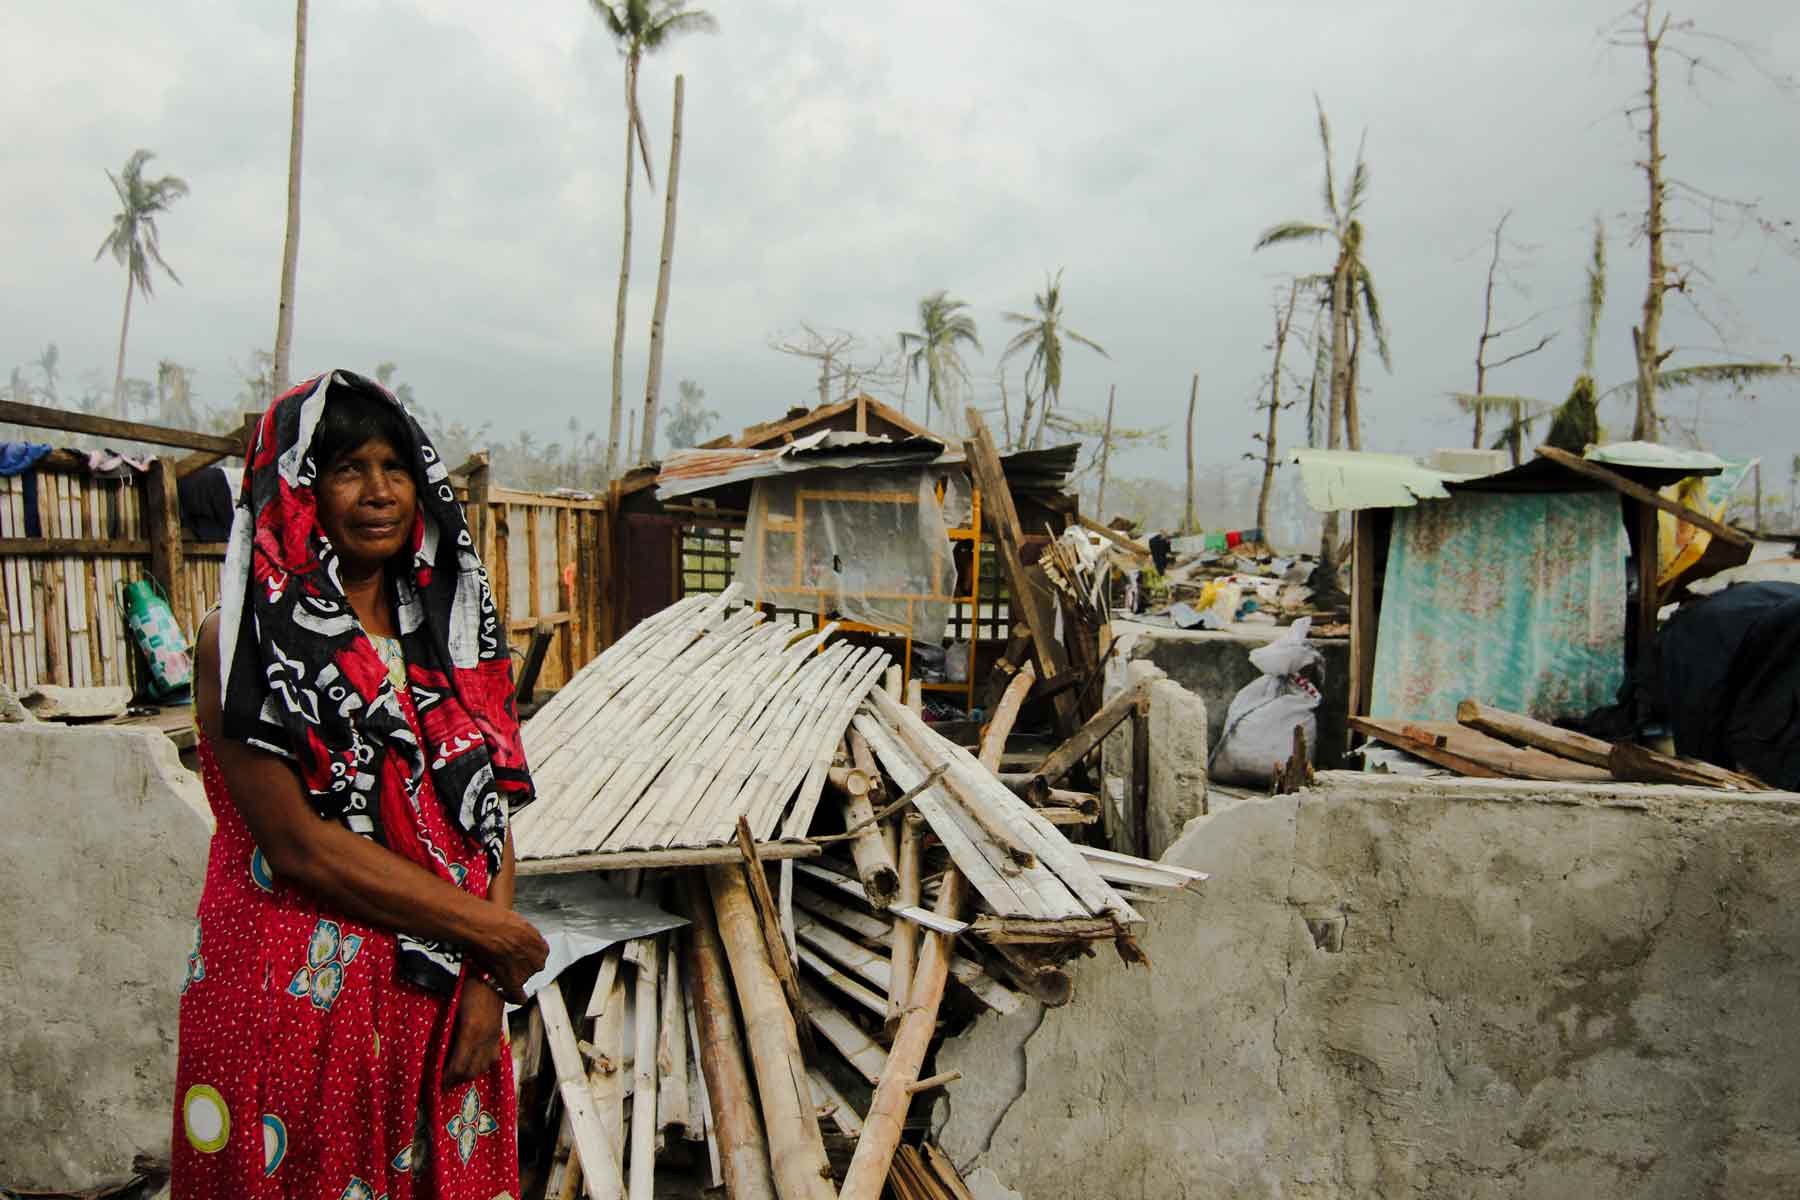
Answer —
350 873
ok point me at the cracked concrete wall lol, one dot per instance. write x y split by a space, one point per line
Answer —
1420 988
1176 787
105 851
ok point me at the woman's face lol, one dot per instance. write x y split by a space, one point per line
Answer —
366 500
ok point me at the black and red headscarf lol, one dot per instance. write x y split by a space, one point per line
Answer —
301 679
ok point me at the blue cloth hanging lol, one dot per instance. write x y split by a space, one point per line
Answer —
18 457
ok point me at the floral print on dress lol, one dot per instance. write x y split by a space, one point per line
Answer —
470 1122
328 952
196 965
358 1190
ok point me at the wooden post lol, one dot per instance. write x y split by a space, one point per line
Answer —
1137 827
1062 760
480 520
1363 629
796 1147
743 1150
1649 531
163 518
1003 518
893 1095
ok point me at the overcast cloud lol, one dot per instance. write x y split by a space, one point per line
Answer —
463 158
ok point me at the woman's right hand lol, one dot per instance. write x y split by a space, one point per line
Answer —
513 950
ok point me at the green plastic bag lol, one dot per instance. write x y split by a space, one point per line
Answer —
156 632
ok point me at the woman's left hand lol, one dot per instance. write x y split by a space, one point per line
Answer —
475 1043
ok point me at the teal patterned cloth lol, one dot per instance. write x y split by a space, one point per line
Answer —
1516 600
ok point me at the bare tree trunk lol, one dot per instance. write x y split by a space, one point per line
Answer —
1352 418
1487 334
124 329
1105 454
659 315
618 354
290 246
1335 413
1025 421
1046 402
1284 320
1645 338
1005 411
824 381
1188 520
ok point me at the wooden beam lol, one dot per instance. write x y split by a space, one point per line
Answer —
38 417
626 860
1112 535
199 460
1529 731
63 547
1643 495
1636 764
1002 517
1078 746
769 918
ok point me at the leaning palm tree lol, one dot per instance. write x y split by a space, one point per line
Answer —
1043 335
943 326
135 242
638 27
1351 296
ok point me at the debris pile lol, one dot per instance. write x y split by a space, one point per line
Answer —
853 883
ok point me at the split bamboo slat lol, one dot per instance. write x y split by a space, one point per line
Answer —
600 1166
648 961
710 713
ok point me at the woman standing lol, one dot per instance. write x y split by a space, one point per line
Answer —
341 1019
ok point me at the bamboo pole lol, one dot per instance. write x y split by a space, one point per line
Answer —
643 1072
796 1147
915 696
1006 714
874 866
769 921
674 1110
905 946
597 1158
887 1109
732 1112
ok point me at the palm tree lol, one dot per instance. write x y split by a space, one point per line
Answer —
638 27
135 243
290 244
1042 334
1576 423
1351 296
933 346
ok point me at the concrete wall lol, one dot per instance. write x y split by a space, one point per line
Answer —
1176 790
105 844
1215 664
1425 989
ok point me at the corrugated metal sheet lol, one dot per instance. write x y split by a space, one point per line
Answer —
688 471
1340 480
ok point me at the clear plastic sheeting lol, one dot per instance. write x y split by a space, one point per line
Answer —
866 546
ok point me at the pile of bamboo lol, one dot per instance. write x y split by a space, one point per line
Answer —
777 1044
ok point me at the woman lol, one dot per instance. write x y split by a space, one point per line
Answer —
341 1019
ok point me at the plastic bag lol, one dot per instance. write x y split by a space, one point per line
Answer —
956 662
1259 725
154 629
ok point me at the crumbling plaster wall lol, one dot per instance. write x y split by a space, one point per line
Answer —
1425 989
1175 788
105 846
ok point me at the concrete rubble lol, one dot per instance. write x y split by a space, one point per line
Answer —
1425 988
106 848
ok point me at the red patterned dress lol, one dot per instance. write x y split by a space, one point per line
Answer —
309 1070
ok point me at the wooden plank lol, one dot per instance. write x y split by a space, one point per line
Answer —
62 547
39 417
600 1166
1643 495
1474 753
1638 764
1529 731
697 856
1002 517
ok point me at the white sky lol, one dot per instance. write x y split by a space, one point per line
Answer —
463 159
